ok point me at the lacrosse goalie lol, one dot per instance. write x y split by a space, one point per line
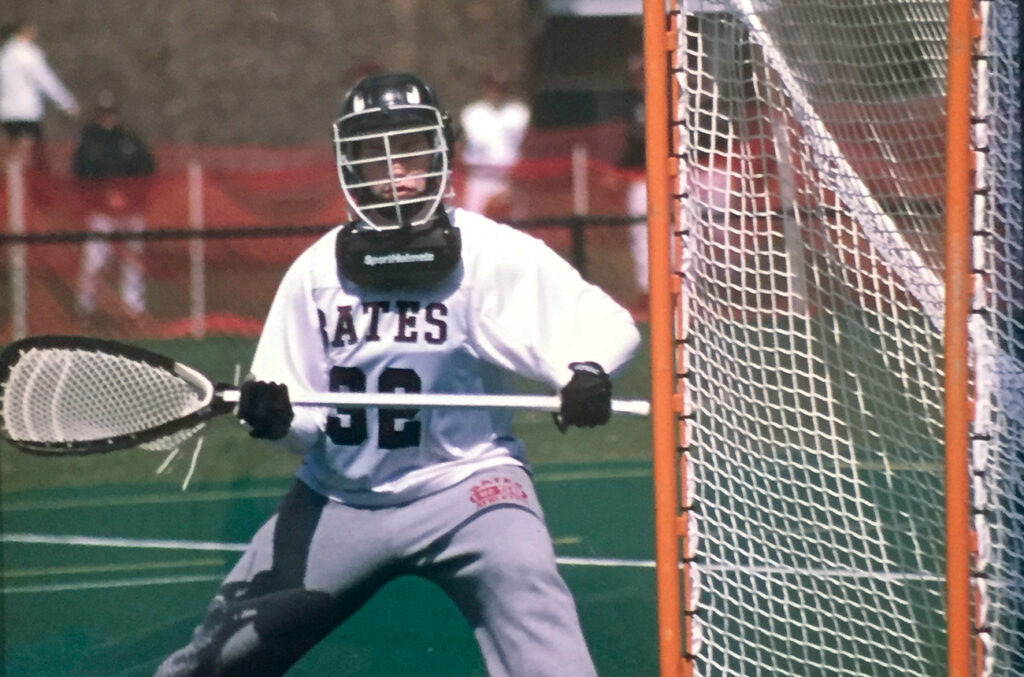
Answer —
412 296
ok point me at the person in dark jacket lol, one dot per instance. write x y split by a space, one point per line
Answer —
111 164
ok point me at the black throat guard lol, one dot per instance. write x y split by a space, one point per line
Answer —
399 259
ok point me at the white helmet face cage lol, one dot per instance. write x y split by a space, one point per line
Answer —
394 175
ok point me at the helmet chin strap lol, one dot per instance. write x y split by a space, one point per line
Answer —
367 219
401 214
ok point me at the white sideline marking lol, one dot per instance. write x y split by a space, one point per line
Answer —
106 585
107 542
172 544
604 562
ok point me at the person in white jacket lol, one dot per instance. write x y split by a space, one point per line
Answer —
493 128
26 83
412 296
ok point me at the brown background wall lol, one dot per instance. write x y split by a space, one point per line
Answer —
268 72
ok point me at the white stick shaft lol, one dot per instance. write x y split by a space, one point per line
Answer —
422 400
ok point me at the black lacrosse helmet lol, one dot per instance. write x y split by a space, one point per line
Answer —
377 113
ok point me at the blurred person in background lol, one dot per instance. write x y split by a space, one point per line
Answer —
26 82
111 163
492 133
633 163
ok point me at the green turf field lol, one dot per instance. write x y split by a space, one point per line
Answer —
108 566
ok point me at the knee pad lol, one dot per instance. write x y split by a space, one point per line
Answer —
295 611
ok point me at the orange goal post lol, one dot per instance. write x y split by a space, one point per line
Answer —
837 336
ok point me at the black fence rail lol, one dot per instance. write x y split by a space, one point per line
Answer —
577 225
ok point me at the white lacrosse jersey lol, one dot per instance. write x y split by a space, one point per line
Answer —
513 306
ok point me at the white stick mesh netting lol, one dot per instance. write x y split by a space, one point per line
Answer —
811 217
67 395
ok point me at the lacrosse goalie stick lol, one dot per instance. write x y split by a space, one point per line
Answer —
67 395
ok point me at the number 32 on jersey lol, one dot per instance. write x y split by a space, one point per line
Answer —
389 434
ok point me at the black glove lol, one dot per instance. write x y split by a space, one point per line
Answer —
586 398
266 407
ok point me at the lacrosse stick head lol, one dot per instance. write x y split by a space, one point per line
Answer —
77 395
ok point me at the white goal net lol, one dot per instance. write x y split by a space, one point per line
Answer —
809 212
